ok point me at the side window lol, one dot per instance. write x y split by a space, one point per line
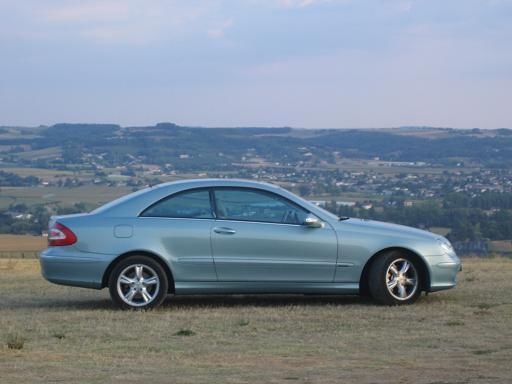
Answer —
193 204
250 205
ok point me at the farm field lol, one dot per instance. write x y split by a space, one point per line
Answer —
21 243
62 334
95 195
43 173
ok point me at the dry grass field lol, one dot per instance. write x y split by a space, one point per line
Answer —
20 243
502 246
52 334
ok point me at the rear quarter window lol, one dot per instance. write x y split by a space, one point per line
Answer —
193 204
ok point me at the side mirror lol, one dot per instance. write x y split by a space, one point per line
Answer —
312 221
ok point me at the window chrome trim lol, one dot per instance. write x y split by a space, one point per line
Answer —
236 221
213 205
260 222
174 218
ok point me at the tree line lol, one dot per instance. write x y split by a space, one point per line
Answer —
482 217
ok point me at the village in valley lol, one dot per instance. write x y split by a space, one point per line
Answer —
399 175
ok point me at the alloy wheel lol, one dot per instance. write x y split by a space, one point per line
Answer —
402 279
138 285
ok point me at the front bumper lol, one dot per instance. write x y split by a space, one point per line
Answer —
68 266
443 271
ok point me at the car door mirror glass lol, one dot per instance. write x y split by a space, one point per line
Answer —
312 222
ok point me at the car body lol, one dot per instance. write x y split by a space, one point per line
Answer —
253 237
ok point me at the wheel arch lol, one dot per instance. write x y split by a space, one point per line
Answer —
152 255
424 273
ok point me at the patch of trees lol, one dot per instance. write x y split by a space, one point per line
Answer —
485 200
8 179
38 221
389 146
465 223
34 225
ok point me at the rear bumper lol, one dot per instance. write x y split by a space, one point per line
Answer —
67 266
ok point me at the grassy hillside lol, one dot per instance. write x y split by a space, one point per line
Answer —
74 335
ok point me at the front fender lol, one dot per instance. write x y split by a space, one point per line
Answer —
358 245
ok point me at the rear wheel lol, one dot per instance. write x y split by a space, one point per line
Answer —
395 279
138 282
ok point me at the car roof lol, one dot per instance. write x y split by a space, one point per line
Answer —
142 198
134 203
217 182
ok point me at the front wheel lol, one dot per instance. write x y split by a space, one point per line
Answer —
138 282
395 279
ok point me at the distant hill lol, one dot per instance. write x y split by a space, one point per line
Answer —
199 147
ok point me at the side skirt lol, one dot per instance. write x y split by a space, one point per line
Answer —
234 287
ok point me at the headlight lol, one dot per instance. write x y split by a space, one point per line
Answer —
445 245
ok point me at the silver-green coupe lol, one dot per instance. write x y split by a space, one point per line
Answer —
220 236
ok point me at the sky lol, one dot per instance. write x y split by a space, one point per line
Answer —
220 63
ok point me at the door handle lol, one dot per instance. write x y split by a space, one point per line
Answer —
224 231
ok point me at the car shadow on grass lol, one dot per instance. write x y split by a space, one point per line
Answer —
228 301
194 301
273 300
208 301
61 304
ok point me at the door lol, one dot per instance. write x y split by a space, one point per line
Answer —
259 236
180 226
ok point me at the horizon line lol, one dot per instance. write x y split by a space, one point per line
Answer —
249 126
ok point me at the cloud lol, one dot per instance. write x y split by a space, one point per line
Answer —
108 21
97 11
291 4
304 3
218 30
404 6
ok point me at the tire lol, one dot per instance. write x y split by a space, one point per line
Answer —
139 283
395 279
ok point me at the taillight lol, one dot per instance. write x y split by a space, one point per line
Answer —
59 234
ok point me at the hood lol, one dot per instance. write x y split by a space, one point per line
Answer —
379 227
